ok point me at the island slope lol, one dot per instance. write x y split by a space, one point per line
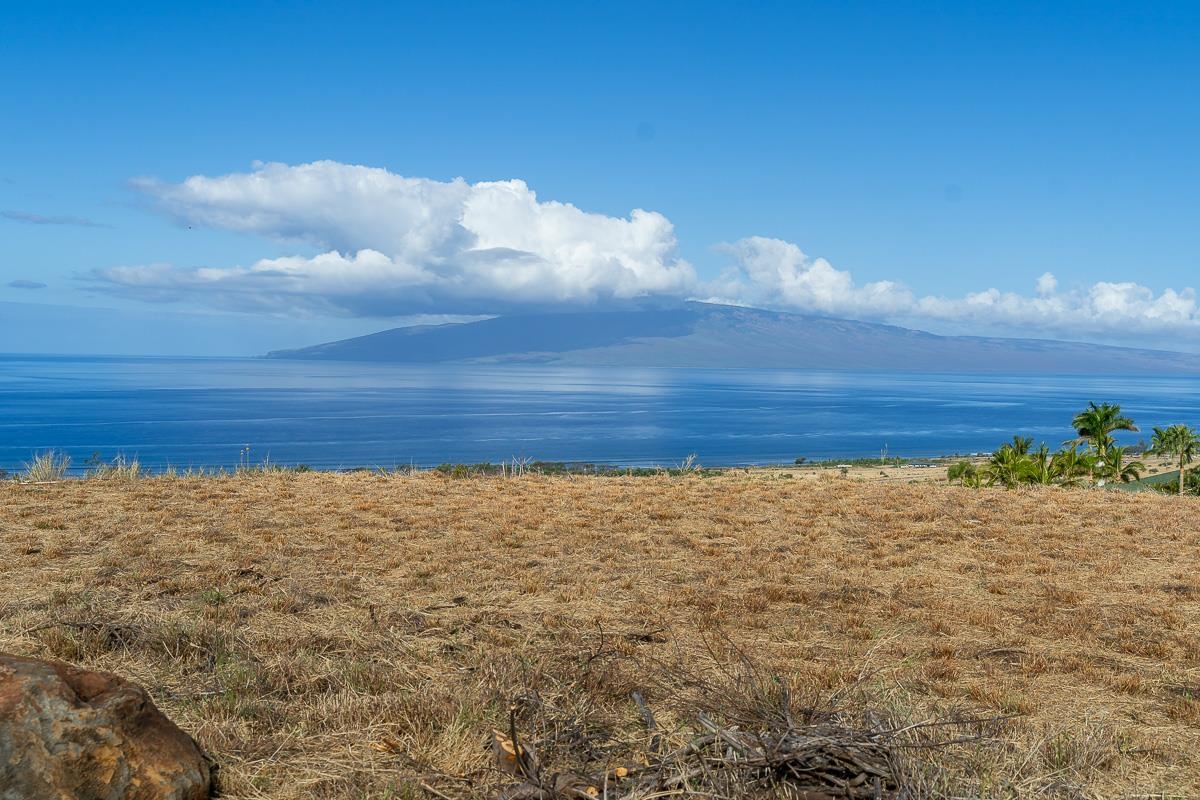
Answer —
707 335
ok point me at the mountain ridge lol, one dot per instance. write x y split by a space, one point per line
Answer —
698 334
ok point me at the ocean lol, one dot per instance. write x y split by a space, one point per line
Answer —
224 412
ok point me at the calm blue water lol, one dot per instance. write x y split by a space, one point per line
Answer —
203 412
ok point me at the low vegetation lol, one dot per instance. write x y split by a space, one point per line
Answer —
528 466
119 468
50 465
380 635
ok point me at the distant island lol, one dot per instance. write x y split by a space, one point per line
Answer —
707 335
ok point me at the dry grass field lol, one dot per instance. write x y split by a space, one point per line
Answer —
359 635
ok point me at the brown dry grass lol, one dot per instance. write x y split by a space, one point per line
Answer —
332 635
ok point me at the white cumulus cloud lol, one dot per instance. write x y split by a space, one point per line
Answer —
777 274
1046 284
390 245
773 272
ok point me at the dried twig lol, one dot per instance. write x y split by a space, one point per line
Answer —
651 723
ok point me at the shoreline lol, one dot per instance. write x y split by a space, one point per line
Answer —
917 470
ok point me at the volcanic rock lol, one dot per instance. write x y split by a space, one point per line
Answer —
67 732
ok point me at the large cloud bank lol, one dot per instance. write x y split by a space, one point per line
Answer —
388 245
376 244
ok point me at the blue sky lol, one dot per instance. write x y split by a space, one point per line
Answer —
989 168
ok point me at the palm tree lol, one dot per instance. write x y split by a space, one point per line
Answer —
1021 444
1039 466
1096 423
1007 467
964 472
1072 466
1118 469
1179 441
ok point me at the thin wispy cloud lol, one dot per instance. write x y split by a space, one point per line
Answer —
24 284
43 219
390 245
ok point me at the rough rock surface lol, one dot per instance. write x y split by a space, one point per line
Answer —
70 733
